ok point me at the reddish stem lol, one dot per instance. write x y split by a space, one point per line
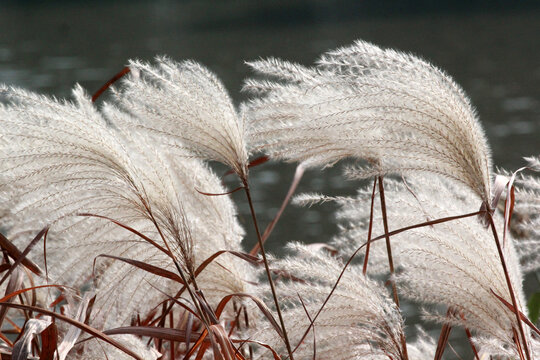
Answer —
370 228
391 261
509 284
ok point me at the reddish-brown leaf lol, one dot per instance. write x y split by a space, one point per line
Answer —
49 342
521 315
443 337
88 329
114 79
261 305
146 267
169 334
20 257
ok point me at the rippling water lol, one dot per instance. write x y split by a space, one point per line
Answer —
495 57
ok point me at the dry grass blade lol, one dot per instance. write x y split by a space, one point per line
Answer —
108 84
49 342
510 290
227 349
81 313
20 291
469 338
443 337
274 353
129 228
88 329
22 256
299 172
244 256
509 203
524 318
14 284
219 194
156 332
174 300
370 227
310 324
146 267
261 305
247 257
267 269
200 341
23 346
15 253
258 161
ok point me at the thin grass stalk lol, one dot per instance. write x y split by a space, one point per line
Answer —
294 184
509 284
443 337
390 260
518 344
196 303
469 337
267 268
200 310
171 325
370 228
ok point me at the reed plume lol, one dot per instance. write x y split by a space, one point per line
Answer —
69 165
454 264
394 110
360 321
185 106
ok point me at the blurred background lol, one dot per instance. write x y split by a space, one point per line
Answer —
491 48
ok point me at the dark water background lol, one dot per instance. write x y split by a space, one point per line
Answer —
493 53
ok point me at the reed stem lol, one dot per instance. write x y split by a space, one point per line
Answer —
267 268
370 228
509 284
391 260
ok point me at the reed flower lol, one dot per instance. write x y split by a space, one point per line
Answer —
360 321
185 106
99 185
454 264
394 110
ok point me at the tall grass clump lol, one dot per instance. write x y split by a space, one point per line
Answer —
120 241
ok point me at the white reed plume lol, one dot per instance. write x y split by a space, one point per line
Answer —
491 348
186 106
360 321
394 110
61 159
454 264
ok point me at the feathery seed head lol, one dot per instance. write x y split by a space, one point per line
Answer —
61 159
392 109
454 264
185 106
360 321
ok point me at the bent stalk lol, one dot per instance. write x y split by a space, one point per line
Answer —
267 268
